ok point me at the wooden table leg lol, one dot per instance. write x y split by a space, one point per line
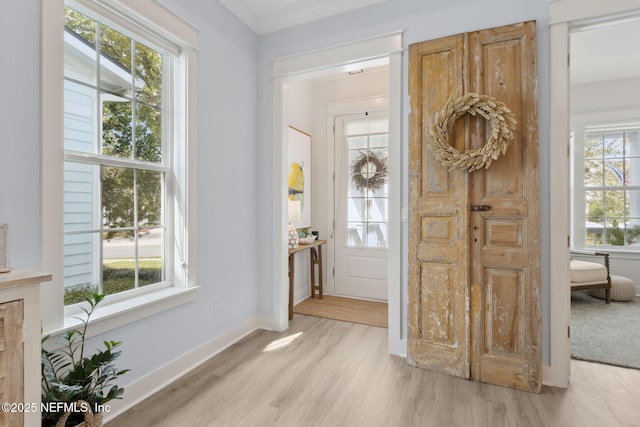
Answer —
320 270
316 260
312 258
291 275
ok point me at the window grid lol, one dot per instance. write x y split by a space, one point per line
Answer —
100 161
611 190
367 212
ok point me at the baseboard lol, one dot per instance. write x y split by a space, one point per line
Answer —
146 386
553 379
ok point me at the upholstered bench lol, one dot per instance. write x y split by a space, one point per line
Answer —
622 289
586 275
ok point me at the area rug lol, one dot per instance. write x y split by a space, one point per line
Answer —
372 313
605 333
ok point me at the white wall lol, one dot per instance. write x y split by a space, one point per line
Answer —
297 104
20 116
420 21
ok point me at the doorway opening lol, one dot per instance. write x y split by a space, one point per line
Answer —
293 83
605 192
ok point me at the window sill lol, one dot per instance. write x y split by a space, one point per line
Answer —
114 315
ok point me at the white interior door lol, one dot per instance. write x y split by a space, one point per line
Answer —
361 205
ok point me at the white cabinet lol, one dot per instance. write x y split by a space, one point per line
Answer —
20 346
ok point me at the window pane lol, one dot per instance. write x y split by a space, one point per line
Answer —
356 142
594 202
613 145
81 186
118 266
356 233
150 252
615 205
149 193
148 75
379 141
356 209
80 266
377 209
614 173
116 126
116 46
593 145
632 171
79 47
593 173
117 197
377 235
115 62
148 133
79 117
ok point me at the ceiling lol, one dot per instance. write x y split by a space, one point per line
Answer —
608 51
264 16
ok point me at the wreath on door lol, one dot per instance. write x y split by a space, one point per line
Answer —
503 125
369 171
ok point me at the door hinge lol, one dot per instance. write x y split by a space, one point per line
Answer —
568 331
568 60
333 273
568 241
334 177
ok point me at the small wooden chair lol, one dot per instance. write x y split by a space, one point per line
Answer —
587 275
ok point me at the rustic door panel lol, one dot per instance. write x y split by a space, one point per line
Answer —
438 222
474 276
505 317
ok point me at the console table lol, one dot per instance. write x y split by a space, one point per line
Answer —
315 251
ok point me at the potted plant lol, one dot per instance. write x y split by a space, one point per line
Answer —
75 386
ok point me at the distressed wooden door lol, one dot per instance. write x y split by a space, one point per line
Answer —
498 248
438 219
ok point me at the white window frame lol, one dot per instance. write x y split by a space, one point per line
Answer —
582 124
164 28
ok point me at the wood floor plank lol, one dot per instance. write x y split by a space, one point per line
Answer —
629 379
587 400
616 397
323 372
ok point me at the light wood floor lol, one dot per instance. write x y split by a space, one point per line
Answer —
322 372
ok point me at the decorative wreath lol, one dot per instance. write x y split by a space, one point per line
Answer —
503 125
369 171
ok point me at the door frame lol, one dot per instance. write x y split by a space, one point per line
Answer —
564 14
388 45
336 109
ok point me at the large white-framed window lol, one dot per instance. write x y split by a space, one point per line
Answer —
606 190
118 159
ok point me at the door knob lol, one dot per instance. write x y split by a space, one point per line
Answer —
480 208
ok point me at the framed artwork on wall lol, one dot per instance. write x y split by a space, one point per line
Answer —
4 248
299 174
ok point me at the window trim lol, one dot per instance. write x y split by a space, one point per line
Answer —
159 21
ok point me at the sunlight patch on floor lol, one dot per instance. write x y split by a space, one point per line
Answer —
282 342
